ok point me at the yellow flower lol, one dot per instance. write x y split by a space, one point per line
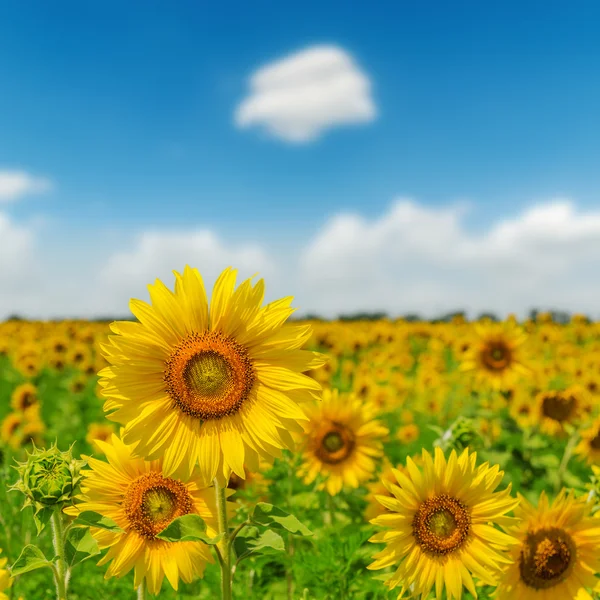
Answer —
217 387
99 431
5 578
24 396
379 487
408 433
556 408
441 526
495 358
589 446
343 439
143 500
558 551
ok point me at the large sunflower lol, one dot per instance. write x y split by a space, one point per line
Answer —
558 551
218 387
342 441
143 500
441 526
496 357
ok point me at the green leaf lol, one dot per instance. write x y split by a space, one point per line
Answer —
80 545
41 518
94 519
546 461
267 541
188 528
31 558
271 516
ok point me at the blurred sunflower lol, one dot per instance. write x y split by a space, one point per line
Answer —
408 433
589 446
342 440
5 578
142 500
24 396
558 551
440 521
99 431
496 357
556 408
217 387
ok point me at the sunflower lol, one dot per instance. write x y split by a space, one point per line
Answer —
408 433
143 500
5 578
220 387
441 521
380 487
556 408
496 356
24 396
342 441
589 446
99 431
558 551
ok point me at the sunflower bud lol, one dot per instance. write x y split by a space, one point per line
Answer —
460 435
49 479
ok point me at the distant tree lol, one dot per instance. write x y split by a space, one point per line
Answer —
488 315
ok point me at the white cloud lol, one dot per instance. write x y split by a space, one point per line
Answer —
300 96
413 258
421 259
16 184
157 254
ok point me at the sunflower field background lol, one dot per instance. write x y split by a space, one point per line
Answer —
523 396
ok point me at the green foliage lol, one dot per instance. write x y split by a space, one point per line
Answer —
188 528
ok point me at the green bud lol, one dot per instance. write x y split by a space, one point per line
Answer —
49 479
460 435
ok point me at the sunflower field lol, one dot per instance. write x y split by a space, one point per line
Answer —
218 448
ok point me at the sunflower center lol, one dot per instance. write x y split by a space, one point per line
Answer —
336 444
153 501
209 375
496 356
441 524
547 557
557 406
333 441
595 442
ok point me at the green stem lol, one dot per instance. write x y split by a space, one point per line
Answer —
61 578
141 591
225 543
289 576
565 459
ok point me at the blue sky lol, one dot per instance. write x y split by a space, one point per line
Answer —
128 109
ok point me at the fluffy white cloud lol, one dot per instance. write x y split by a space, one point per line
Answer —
157 254
413 258
300 96
424 260
16 184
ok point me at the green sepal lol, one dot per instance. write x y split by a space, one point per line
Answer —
31 558
271 516
188 528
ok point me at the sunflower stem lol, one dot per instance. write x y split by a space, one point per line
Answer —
565 459
61 571
225 544
141 591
